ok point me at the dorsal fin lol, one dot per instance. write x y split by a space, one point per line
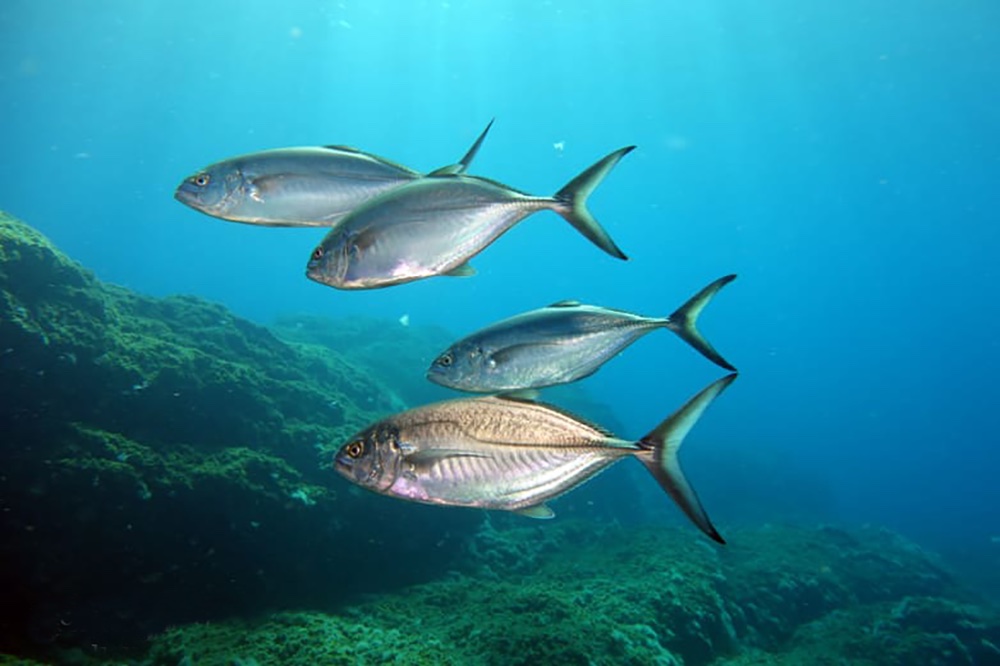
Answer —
377 158
513 397
450 170
564 304
466 160
481 179
463 164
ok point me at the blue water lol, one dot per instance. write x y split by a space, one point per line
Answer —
843 158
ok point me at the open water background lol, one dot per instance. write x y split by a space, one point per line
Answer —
843 158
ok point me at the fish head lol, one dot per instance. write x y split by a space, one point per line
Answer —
215 190
371 458
330 259
465 366
345 260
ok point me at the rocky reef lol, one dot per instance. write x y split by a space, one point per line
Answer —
166 499
573 593
165 461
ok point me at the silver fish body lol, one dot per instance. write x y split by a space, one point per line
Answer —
312 186
561 343
500 452
435 225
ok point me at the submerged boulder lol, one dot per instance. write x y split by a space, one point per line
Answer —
164 461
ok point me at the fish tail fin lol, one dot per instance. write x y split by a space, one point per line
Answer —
571 202
684 322
660 448
463 164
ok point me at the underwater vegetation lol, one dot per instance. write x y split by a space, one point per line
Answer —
575 594
166 497
159 451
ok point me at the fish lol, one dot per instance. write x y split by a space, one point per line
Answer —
509 453
435 225
561 343
311 186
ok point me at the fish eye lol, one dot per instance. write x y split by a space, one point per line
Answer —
202 179
445 359
317 254
354 450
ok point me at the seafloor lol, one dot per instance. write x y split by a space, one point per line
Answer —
166 498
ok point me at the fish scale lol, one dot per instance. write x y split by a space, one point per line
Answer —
437 224
519 474
512 454
310 186
561 343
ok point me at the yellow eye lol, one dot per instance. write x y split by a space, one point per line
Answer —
355 449
202 179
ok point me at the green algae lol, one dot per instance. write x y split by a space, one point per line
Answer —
111 456
609 595
100 351
159 450
166 463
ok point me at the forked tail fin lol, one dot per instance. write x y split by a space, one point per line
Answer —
572 202
660 448
684 321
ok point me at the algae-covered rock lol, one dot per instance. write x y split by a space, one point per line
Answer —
166 461
382 347
166 498
939 631
606 595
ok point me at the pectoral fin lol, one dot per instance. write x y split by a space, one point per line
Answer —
521 395
511 353
430 456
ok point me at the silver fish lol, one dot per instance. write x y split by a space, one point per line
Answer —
501 452
561 343
299 187
434 225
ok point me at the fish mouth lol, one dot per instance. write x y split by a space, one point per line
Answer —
315 272
435 375
191 196
342 466
186 196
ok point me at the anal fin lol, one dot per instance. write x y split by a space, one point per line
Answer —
462 270
539 511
